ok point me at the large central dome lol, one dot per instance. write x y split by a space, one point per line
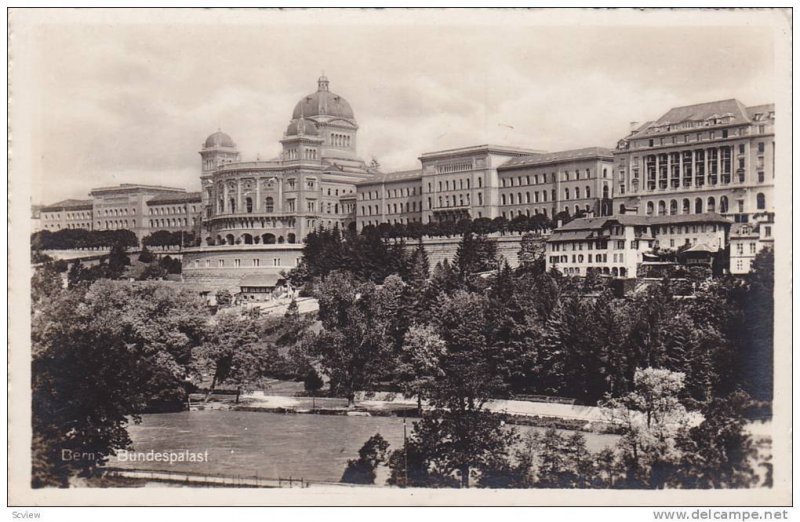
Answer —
323 103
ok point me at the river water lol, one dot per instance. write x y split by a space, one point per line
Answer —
271 445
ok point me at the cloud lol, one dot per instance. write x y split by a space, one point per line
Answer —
123 102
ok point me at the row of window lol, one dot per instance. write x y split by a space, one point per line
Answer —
391 208
565 176
171 222
165 211
237 263
710 206
116 211
340 140
699 136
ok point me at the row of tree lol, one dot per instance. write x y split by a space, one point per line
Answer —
659 448
74 238
501 224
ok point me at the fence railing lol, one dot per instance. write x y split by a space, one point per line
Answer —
202 479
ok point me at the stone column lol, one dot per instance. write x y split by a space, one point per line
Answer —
257 205
225 198
239 196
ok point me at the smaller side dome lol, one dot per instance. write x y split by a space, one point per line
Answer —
219 139
302 126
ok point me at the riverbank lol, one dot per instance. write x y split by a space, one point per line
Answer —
524 413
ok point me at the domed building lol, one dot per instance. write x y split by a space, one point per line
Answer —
257 213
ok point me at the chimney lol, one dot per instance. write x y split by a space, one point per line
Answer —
558 224
634 125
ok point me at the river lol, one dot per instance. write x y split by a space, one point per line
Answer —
271 445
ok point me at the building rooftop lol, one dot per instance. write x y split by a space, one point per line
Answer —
68 204
136 186
501 149
402 175
590 224
558 157
260 280
175 198
720 112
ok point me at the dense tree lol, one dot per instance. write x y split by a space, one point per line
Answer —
313 382
371 454
223 297
72 238
233 352
652 418
146 256
118 259
102 353
355 347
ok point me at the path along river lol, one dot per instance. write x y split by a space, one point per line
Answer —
271 445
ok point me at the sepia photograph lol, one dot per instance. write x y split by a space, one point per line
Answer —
388 256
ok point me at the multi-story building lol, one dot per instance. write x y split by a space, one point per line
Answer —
142 209
710 157
464 182
747 240
569 181
616 245
70 213
612 245
127 207
281 200
175 212
394 198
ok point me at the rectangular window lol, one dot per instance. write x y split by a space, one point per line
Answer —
256 262
237 263
752 248
276 262
220 263
761 148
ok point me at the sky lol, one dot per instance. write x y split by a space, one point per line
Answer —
122 102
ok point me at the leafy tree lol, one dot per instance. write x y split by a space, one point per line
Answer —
118 259
419 362
101 354
652 419
354 347
152 271
371 454
759 308
224 297
146 256
719 452
531 254
46 283
474 254
233 353
313 382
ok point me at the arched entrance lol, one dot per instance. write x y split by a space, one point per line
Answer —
247 239
290 238
268 239
229 239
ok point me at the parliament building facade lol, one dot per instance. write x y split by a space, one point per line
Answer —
714 160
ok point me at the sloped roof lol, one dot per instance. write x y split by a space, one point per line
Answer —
760 109
701 247
558 157
69 204
267 280
161 199
700 112
403 175
708 217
